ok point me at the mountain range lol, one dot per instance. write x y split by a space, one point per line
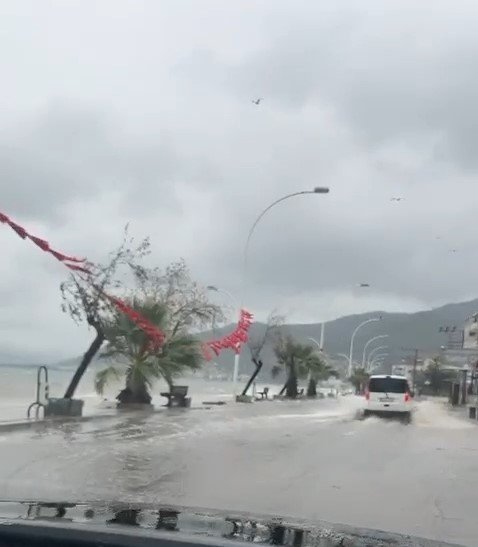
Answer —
406 331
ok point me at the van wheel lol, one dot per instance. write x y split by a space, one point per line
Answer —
407 418
366 414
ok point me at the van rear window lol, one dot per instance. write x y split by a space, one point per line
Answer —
388 385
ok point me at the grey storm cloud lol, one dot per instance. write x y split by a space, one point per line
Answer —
143 113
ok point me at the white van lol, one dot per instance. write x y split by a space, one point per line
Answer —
388 395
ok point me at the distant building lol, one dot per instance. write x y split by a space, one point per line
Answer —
462 345
405 369
470 333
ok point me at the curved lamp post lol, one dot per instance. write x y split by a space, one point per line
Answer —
353 338
378 360
373 353
315 342
368 344
316 190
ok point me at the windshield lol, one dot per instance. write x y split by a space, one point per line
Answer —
388 385
231 232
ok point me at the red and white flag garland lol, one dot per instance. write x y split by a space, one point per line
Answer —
81 265
69 261
155 335
234 340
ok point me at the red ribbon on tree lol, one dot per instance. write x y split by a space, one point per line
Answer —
234 340
155 335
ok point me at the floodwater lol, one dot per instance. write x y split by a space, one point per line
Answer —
308 459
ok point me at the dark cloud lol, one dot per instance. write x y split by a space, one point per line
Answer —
149 120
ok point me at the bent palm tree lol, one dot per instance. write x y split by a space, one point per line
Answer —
138 361
293 356
317 370
359 379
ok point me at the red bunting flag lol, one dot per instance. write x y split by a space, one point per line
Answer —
80 265
234 340
154 334
44 245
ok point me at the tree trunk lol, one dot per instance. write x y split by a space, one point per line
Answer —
291 388
291 385
312 388
87 358
135 393
254 375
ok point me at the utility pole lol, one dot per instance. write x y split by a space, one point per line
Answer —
415 364
414 374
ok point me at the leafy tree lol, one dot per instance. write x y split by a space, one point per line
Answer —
178 306
140 362
187 302
83 300
359 379
436 376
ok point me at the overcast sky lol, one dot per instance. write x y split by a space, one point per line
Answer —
137 111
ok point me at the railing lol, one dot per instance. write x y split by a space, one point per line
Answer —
42 384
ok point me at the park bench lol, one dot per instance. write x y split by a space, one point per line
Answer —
264 394
177 396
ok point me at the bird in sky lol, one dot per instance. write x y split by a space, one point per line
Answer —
363 285
438 237
453 251
396 199
258 101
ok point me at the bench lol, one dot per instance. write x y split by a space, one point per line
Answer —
177 396
264 394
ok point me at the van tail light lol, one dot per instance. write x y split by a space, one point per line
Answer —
407 397
367 395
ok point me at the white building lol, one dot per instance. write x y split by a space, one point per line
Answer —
470 332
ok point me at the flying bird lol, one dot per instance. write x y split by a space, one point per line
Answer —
397 199
258 101
453 251
364 285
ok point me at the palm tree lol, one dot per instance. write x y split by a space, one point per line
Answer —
293 356
317 370
138 360
359 379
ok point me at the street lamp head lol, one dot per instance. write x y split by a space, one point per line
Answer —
212 288
321 190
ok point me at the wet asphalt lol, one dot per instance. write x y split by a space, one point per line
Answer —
312 460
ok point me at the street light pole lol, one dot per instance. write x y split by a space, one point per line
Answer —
353 338
237 356
373 352
322 334
315 342
316 190
368 344
378 360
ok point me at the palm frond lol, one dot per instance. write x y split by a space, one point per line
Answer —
104 376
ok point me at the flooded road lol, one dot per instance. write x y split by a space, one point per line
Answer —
304 459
